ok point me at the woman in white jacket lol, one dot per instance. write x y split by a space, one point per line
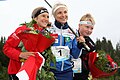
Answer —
62 48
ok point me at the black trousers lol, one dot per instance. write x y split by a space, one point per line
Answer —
80 76
13 77
85 72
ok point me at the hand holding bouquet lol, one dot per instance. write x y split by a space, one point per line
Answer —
38 41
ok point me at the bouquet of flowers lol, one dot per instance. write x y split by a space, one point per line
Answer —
101 64
38 41
35 40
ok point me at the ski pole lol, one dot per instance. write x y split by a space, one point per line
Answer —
85 45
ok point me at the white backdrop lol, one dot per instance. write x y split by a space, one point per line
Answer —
105 12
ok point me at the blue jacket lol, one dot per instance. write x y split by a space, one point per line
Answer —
64 47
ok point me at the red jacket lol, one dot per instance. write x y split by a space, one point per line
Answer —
12 50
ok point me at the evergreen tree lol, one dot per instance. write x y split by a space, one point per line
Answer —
3 61
3 58
105 45
118 47
1 40
98 45
118 52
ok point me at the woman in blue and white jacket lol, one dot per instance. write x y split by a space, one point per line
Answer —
62 48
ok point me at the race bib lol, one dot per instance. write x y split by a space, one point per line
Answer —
61 52
77 65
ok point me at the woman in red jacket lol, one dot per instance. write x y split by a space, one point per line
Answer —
11 48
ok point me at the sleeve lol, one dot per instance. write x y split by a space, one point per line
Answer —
79 45
75 51
10 47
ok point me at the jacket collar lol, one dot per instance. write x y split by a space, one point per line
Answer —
59 25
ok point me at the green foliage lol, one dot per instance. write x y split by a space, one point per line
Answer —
102 62
3 62
3 58
30 24
106 46
3 39
45 73
3 73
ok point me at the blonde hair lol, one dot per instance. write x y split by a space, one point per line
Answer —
57 6
88 17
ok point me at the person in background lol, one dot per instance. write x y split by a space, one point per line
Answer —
62 48
11 48
86 26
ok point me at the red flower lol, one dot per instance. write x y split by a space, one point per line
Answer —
97 73
35 42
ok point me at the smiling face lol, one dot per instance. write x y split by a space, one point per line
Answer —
85 29
86 25
61 15
42 20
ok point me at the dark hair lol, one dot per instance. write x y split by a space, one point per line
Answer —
38 10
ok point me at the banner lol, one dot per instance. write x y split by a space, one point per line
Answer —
30 67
